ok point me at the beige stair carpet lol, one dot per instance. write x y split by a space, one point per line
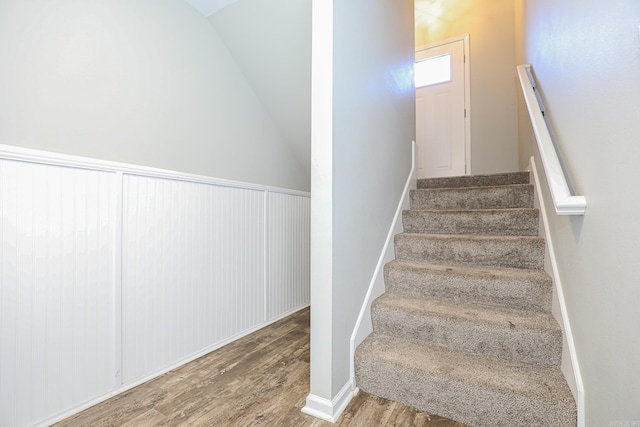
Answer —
464 329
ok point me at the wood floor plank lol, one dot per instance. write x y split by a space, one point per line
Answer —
259 380
151 418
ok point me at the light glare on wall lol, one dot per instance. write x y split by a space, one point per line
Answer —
432 71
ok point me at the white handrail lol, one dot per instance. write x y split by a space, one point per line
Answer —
565 203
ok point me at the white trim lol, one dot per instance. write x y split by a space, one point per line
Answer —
117 279
59 417
566 326
467 101
388 246
265 258
330 410
564 202
467 90
10 152
321 226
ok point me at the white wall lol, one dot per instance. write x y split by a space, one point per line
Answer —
146 82
585 57
363 122
494 125
57 294
271 42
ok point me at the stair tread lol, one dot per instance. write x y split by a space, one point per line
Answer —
469 388
484 210
492 286
479 237
470 189
462 366
492 250
507 333
506 272
507 318
472 198
473 180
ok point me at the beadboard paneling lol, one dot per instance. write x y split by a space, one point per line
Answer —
112 273
288 252
192 269
56 293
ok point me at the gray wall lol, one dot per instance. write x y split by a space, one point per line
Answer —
374 124
271 42
362 130
585 54
147 82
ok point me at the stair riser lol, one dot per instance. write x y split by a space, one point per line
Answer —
520 196
495 222
475 180
513 252
488 289
542 347
469 403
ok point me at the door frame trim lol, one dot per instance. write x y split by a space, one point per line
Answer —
465 38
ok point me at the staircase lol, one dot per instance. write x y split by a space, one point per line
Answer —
464 329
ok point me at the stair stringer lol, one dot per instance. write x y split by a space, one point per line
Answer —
364 326
570 366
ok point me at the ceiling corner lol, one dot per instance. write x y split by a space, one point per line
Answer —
209 7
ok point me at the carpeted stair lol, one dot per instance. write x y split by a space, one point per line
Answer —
464 329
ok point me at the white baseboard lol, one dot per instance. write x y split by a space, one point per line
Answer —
330 410
573 377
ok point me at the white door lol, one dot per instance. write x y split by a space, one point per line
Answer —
441 138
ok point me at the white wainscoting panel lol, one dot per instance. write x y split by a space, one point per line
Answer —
56 289
111 274
192 269
288 252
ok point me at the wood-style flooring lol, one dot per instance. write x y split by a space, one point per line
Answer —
259 380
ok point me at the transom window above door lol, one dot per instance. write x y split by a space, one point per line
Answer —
433 71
